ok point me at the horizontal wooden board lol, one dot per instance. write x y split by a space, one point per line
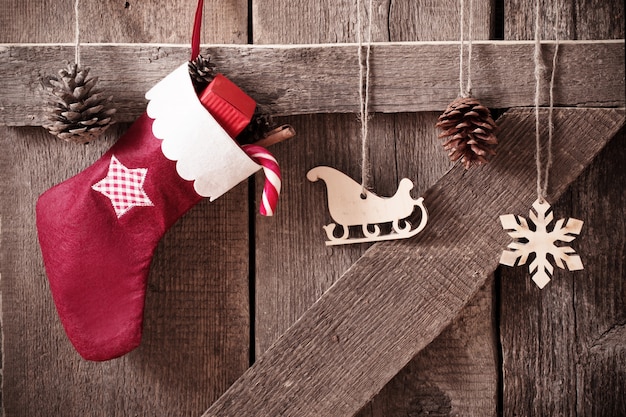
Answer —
305 79
401 294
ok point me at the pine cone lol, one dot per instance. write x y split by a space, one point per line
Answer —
257 129
202 72
79 112
470 132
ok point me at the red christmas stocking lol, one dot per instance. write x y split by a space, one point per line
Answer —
98 230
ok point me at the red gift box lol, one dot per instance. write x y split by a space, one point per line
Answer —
231 107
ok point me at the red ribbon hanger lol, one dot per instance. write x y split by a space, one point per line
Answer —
197 26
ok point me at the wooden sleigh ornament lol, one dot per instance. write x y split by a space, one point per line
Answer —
350 205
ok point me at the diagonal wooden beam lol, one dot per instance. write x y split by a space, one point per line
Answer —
301 79
400 295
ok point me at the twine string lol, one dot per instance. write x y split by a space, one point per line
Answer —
462 24
364 93
551 107
543 172
539 68
470 38
76 34
466 90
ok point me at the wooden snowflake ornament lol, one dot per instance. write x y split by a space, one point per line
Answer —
541 242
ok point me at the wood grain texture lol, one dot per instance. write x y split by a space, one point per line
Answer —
389 305
288 243
401 145
457 372
121 21
427 20
563 347
196 318
599 303
458 368
455 375
577 19
320 79
316 21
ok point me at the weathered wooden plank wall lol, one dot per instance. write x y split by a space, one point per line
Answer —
564 348
402 145
316 78
401 294
196 337
566 359
49 21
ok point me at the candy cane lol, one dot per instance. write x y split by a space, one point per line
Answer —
271 189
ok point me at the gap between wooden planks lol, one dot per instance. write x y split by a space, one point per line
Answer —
305 79
400 295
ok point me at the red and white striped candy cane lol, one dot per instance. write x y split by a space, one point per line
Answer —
271 189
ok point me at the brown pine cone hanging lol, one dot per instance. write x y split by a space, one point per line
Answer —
469 132
79 112
202 72
257 129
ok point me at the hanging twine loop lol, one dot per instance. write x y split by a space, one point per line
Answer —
364 92
76 34
466 90
543 173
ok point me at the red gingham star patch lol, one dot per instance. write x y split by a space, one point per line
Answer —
124 187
